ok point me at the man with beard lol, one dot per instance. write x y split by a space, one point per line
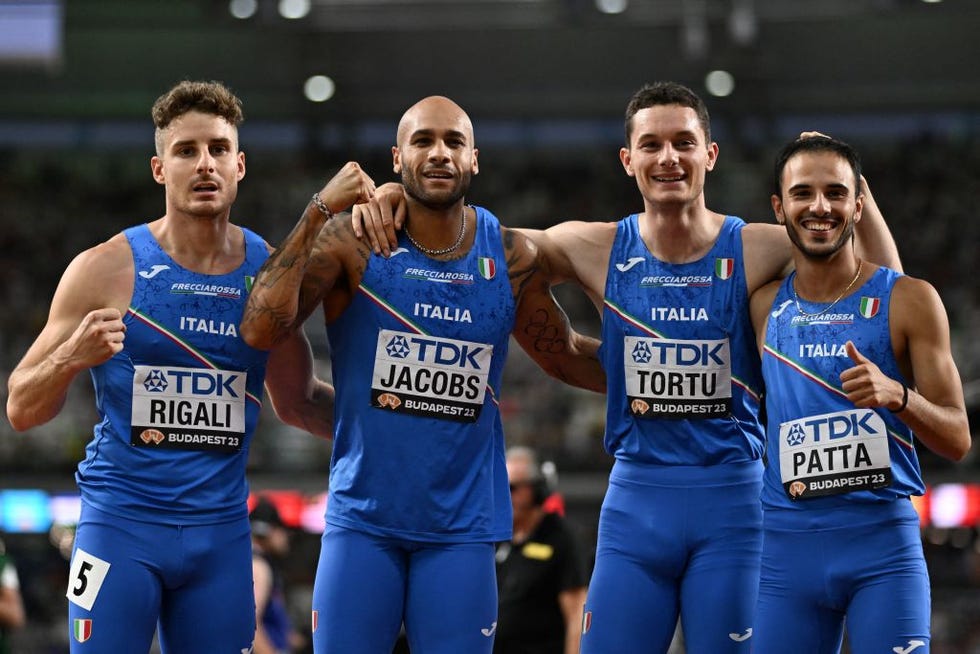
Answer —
418 482
856 362
163 539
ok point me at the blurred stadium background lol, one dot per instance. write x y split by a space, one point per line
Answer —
546 83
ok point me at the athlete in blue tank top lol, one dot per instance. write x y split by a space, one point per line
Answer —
418 482
680 527
855 358
163 540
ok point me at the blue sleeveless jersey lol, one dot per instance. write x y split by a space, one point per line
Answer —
679 354
417 358
179 403
823 451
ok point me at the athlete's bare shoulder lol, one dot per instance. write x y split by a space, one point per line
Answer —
102 276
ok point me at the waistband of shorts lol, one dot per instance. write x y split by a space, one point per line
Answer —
843 516
723 474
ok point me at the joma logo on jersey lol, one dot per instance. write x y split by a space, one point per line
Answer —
830 427
192 382
437 352
678 354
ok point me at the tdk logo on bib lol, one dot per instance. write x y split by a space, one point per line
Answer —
832 427
398 347
680 354
441 352
196 382
155 382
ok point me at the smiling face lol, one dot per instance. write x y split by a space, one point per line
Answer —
668 154
435 154
199 164
818 202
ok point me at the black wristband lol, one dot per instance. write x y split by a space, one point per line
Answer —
905 400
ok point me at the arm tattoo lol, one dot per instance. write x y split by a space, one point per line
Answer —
548 337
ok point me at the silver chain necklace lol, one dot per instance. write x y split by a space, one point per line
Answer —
445 250
839 297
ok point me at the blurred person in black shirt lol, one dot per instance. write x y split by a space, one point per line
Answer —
541 579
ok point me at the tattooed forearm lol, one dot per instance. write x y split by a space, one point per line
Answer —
277 323
279 264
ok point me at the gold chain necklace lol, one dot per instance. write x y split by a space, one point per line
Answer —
826 310
446 250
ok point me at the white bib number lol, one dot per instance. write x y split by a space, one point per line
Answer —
85 578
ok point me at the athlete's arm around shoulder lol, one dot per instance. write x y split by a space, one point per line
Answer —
767 254
872 238
760 306
335 266
84 329
541 326
935 410
304 269
577 251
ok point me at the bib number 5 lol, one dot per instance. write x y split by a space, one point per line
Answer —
85 578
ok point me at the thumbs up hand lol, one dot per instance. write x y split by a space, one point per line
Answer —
866 386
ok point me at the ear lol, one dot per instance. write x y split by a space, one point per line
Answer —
396 159
625 158
241 166
475 168
712 155
858 208
777 209
156 167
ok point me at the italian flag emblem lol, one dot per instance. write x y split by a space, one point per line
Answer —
724 268
869 306
586 622
315 620
81 629
487 267
249 282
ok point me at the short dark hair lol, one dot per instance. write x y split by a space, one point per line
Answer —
816 144
658 93
207 97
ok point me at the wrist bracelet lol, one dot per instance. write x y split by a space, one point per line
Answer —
905 400
321 205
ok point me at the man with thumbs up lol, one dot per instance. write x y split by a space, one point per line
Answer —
857 364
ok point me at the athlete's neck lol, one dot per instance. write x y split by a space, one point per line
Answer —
679 235
207 245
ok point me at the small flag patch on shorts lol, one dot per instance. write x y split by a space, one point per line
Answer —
82 629
586 622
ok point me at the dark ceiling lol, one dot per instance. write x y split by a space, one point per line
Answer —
508 59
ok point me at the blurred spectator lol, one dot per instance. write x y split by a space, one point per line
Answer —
541 579
274 632
11 605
